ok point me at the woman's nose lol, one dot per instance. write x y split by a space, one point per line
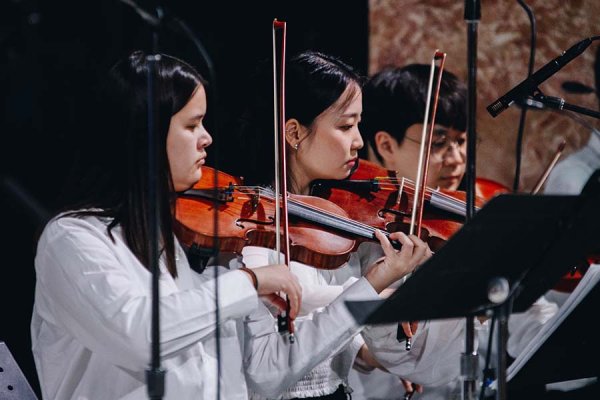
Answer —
357 142
205 139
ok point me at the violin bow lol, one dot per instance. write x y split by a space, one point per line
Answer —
559 150
284 324
424 153
425 149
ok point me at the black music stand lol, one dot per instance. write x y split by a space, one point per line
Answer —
529 241
579 238
566 348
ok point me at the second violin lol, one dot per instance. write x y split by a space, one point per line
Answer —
374 196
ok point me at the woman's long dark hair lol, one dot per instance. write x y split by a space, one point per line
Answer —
314 82
114 180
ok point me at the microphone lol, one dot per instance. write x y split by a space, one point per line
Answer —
529 84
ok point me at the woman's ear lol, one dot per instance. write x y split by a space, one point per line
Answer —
294 133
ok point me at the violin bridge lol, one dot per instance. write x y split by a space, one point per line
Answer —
255 200
226 195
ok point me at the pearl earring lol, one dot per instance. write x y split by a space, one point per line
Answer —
296 146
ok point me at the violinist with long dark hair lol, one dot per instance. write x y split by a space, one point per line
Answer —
91 319
323 110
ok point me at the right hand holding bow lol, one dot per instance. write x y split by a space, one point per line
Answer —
278 278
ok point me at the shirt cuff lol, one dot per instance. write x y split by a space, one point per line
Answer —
238 297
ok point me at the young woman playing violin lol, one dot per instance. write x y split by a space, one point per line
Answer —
91 319
323 109
394 109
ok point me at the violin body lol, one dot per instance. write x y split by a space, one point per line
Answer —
388 206
487 188
233 216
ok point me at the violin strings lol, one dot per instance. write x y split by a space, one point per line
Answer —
440 199
317 214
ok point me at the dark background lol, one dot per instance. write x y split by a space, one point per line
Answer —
51 54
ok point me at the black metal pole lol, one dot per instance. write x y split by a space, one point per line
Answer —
469 359
521 131
155 375
502 335
558 103
499 292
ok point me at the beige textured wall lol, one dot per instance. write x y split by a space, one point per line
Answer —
407 31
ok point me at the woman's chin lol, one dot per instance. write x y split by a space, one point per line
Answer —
183 186
345 174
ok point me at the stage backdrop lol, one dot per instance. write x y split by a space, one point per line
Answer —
409 31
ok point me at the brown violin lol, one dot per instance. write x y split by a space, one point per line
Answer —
321 233
377 197
487 188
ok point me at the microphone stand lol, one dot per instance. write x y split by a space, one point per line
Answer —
155 374
502 312
469 359
558 103
520 132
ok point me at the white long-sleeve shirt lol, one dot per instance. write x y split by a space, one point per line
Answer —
570 175
434 359
91 323
319 288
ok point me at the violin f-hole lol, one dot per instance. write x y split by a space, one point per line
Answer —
240 221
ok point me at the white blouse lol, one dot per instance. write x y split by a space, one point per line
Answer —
91 324
91 319
319 288
434 359
570 175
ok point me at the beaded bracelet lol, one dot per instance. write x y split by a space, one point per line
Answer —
252 275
